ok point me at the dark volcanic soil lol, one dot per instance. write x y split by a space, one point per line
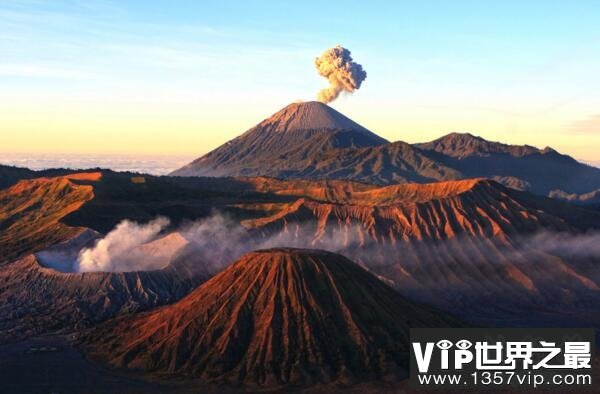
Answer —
50 364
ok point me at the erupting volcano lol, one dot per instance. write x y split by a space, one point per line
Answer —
311 140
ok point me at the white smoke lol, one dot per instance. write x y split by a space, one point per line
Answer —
114 251
215 240
218 240
568 245
343 73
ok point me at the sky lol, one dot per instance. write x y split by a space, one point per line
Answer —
181 78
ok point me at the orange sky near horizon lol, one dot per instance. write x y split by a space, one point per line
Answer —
185 130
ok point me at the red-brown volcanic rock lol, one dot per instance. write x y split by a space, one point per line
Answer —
464 246
429 212
274 317
36 299
31 210
474 248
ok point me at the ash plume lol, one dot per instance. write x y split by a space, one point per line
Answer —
343 74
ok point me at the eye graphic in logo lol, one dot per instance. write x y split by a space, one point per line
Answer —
463 344
444 344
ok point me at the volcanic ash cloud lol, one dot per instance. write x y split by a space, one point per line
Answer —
343 73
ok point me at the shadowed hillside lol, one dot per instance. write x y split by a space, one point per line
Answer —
274 317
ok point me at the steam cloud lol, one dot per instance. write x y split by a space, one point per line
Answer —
114 252
343 73
580 246
450 273
218 240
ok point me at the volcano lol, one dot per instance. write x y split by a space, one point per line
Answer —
286 141
474 248
313 141
275 317
39 290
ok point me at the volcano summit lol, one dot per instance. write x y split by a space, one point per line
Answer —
286 142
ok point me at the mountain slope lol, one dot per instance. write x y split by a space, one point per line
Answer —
272 318
461 145
39 293
36 300
31 212
471 247
397 162
542 170
285 141
9 175
311 140
486 253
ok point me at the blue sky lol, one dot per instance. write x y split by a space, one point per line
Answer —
185 76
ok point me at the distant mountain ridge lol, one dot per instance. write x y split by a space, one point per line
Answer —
461 145
312 140
538 170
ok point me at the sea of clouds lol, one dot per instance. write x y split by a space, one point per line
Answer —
146 164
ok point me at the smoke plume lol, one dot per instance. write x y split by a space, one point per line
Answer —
343 73
116 251
218 240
